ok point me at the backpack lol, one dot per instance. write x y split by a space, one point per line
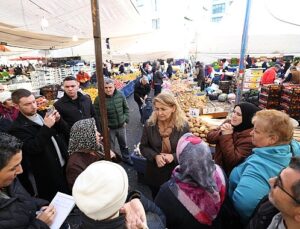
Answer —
147 110
262 215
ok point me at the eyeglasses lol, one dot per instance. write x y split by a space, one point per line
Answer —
278 183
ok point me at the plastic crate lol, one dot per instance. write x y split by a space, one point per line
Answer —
139 163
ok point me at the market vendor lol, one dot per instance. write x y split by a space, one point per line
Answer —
83 78
293 76
269 75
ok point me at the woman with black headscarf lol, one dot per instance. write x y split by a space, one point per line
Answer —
233 140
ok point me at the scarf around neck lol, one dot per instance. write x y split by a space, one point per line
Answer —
203 205
165 135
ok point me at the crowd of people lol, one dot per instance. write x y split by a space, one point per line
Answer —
256 162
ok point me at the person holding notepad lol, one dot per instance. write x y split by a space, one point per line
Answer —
17 208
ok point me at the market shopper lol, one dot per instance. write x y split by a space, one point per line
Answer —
118 117
44 147
194 195
248 182
199 75
157 79
74 106
17 208
293 76
83 78
170 70
84 148
7 108
141 92
270 74
100 193
233 140
159 140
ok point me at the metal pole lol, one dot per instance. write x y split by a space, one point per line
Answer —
100 79
240 81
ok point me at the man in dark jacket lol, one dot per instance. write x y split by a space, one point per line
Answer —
17 207
118 117
157 79
141 91
44 148
170 70
74 106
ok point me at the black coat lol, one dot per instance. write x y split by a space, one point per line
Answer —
140 91
178 217
158 78
74 110
40 157
18 212
151 145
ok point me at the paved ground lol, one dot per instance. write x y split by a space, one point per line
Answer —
134 134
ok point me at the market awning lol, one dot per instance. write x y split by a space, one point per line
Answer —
3 48
20 22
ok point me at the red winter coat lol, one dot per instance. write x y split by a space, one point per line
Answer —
268 76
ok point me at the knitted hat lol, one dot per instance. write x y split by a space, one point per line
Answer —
6 95
101 190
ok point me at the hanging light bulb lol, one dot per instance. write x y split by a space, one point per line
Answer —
44 23
74 38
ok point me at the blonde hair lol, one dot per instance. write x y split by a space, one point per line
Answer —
168 99
276 123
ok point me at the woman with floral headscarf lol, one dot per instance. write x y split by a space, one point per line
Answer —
84 148
193 197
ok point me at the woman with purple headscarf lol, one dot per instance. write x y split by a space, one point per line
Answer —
193 197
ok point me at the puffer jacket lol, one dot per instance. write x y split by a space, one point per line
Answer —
18 212
117 109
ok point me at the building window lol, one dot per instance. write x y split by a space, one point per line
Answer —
156 23
216 19
218 8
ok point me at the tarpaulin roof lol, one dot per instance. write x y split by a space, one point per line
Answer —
274 27
20 22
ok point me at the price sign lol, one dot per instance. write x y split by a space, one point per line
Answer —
194 112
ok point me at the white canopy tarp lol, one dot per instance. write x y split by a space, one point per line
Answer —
268 31
20 22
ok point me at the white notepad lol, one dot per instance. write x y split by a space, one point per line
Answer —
63 204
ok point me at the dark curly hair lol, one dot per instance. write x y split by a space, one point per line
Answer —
9 146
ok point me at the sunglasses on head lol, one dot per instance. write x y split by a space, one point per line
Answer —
278 183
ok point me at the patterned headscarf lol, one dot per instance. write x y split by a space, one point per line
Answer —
197 182
83 137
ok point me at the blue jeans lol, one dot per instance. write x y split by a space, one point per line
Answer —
120 135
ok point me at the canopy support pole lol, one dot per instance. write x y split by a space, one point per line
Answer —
100 78
240 81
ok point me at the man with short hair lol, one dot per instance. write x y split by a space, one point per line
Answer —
75 106
44 148
17 207
285 196
118 116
